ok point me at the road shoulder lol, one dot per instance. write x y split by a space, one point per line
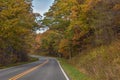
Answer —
73 73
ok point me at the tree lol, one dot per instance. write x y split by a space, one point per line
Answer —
50 41
83 23
16 26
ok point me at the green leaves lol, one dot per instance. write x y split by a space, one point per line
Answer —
83 23
50 41
16 25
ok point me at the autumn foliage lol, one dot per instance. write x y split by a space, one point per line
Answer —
83 25
16 30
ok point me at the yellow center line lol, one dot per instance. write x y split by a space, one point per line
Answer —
28 71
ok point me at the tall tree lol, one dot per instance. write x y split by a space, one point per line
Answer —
16 26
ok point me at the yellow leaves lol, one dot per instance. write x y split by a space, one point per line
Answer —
87 20
116 7
86 7
89 4
74 12
64 47
16 29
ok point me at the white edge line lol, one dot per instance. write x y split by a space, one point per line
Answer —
63 71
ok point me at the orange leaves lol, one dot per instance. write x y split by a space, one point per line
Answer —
116 7
74 12
64 47
82 22
16 26
89 4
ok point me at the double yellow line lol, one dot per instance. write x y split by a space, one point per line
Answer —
28 71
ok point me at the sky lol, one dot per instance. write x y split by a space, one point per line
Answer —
41 6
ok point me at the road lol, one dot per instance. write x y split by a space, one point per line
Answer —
44 69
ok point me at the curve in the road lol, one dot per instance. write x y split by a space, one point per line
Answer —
28 71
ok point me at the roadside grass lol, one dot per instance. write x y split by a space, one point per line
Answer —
19 63
73 73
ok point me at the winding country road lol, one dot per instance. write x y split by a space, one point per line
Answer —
44 69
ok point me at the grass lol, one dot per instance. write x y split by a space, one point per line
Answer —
19 63
73 73
101 63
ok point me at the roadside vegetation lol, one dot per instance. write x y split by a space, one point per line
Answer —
17 31
72 72
86 33
101 63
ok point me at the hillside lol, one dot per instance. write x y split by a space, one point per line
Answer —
87 34
101 63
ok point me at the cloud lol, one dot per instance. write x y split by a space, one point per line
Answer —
41 6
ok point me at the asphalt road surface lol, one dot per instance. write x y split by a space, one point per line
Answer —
44 69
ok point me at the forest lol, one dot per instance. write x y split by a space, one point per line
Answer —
85 32
17 30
